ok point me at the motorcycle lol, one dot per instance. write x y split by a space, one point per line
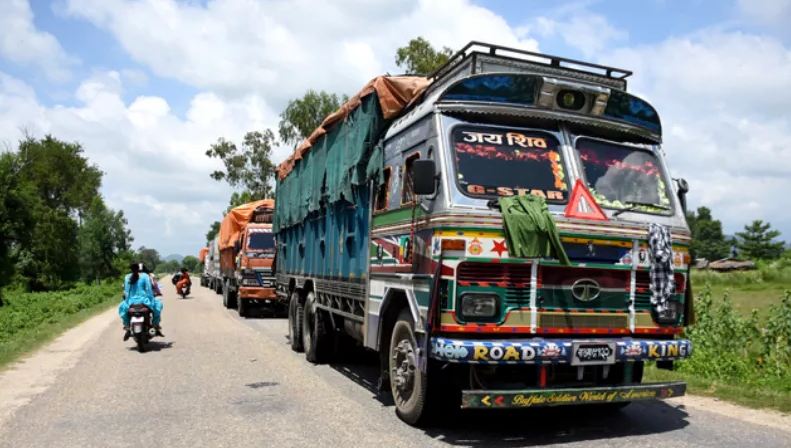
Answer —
140 325
186 291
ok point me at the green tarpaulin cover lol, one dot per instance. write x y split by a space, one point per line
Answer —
530 230
346 157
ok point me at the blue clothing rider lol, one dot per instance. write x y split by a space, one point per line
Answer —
138 289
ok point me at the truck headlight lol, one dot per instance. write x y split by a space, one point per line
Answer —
671 314
478 305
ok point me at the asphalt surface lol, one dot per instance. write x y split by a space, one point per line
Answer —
217 380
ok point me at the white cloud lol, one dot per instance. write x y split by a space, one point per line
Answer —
21 43
154 162
723 98
277 49
768 12
578 28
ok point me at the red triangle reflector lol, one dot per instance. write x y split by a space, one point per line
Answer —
582 204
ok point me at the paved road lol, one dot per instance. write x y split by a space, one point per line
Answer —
220 381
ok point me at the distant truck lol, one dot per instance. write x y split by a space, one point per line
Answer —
204 251
247 255
407 221
211 277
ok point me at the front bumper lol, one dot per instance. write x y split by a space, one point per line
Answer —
532 398
257 293
552 351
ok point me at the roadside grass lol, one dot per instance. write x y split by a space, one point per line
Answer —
748 290
30 320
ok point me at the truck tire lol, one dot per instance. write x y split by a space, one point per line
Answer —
408 384
242 308
228 296
316 339
218 287
296 314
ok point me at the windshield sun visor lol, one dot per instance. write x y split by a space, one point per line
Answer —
541 92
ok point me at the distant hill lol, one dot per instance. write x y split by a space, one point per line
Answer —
174 257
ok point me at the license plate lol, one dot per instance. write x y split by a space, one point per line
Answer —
137 329
592 353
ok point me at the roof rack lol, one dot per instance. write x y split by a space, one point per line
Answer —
475 47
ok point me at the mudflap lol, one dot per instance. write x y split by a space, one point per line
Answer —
533 398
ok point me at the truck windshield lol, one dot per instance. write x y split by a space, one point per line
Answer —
622 176
498 162
261 241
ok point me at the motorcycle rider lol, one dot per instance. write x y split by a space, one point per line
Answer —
183 282
138 290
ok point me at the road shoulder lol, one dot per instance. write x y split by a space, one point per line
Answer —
31 376
763 417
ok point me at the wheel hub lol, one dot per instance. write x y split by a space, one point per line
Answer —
404 366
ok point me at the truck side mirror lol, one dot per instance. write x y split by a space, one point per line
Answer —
424 177
683 189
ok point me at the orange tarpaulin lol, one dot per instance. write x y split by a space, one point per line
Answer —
236 220
395 93
202 254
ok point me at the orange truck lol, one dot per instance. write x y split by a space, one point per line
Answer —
247 256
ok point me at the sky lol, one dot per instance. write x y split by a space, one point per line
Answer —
147 85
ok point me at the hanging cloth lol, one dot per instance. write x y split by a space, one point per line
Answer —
660 253
530 230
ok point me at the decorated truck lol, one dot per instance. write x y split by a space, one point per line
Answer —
504 233
247 254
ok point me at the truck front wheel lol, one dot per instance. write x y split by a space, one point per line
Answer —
296 314
407 383
242 308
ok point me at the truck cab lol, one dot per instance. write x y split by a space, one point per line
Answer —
254 265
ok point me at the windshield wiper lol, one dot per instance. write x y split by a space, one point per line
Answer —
633 205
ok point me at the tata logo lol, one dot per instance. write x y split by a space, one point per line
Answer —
585 290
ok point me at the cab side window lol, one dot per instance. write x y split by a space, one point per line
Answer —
383 193
407 190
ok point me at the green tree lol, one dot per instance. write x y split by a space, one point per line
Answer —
149 257
708 240
418 57
238 199
61 175
64 184
303 115
168 267
757 241
247 166
103 238
191 263
213 231
15 216
50 260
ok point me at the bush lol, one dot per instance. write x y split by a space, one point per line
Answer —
735 349
27 314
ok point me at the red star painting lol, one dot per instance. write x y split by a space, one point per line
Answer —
499 247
